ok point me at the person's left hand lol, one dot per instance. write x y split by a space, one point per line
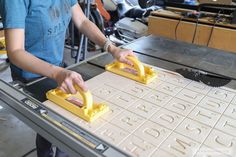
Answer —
121 54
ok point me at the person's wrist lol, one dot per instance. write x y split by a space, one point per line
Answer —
55 72
113 50
106 45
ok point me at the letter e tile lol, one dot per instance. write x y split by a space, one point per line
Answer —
127 121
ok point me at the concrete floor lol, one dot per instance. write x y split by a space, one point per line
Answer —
16 138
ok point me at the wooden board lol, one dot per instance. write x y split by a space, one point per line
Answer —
176 28
171 24
175 13
172 116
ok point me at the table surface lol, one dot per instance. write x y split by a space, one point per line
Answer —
188 106
177 53
172 116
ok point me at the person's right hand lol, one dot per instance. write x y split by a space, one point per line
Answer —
67 79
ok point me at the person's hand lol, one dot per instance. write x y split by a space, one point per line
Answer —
121 54
67 79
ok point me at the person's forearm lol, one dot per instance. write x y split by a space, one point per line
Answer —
28 62
86 27
89 29
94 34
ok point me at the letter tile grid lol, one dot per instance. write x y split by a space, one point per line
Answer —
170 117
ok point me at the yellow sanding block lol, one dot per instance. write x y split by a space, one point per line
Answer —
83 107
137 72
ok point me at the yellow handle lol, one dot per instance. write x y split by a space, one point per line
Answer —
86 96
137 65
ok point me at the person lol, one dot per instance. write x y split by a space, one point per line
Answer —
35 34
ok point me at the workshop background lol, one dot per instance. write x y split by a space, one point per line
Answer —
194 38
